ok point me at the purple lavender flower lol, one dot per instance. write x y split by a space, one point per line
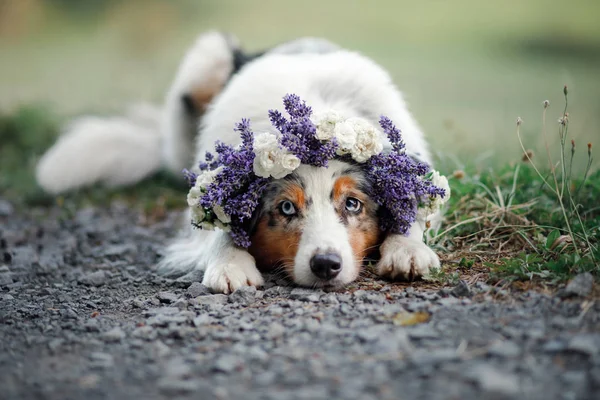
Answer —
398 183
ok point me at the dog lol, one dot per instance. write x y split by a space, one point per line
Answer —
317 224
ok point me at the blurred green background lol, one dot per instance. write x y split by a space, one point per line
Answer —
468 68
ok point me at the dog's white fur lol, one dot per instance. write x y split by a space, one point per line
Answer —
323 231
122 151
115 151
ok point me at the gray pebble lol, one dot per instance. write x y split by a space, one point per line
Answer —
197 289
92 325
175 386
428 357
244 295
116 334
6 279
493 381
6 209
588 344
181 304
506 348
162 311
275 330
227 363
167 297
212 300
145 332
101 360
423 331
554 346
97 278
580 286
461 290
305 295
177 368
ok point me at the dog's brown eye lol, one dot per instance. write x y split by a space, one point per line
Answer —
353 205
287 208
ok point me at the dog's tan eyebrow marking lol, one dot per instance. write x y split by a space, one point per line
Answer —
343 185
294 193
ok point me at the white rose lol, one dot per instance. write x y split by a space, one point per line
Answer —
207 177
270 159
220 213
266 154
345 135
442 182
194 196
290 162
198 214
265 140
325 123
279 171
265 161
435 202
368 142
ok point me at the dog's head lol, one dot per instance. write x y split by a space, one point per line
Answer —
318 224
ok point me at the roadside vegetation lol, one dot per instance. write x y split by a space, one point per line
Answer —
533 220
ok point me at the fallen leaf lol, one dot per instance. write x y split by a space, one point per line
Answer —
409 319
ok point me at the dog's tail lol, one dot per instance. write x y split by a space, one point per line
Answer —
123 150
114 151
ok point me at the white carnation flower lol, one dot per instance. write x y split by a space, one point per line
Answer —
290 162
198 214
266 155
265 140
435 202
368 141
270 159
194 196
266 162
442 182
279 171
345 135
220 213
205 178
325 123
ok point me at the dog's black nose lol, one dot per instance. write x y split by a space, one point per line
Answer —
326 266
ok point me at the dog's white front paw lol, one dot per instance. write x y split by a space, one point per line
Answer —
232 273
405 258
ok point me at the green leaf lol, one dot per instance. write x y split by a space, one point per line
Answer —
552 236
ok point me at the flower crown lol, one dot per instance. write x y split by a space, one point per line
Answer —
228 188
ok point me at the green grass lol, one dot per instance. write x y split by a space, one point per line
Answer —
526 240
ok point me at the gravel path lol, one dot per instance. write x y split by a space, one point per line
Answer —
83 316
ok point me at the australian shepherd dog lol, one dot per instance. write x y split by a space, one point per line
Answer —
318 224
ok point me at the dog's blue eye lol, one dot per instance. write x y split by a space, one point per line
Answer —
353 205
287 208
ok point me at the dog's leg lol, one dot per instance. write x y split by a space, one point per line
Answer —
226 267
200 77
407 257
